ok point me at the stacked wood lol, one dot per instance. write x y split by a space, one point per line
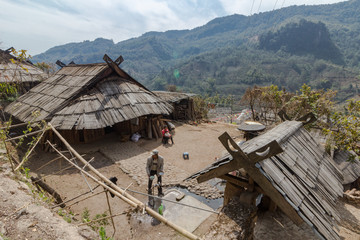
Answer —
353 196
154 127
184 110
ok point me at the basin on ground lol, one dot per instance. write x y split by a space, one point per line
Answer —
186 217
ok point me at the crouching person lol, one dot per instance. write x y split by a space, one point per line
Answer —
166 135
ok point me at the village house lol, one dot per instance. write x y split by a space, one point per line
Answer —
183 104
85 101
23 74
285 168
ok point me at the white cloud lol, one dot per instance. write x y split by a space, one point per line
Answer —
40 24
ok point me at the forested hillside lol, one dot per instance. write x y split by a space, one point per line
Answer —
318 45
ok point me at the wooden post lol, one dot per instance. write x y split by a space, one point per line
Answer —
231 190
148 128
251 185
48 189
192 109
33 147
158 127
155 134
9 156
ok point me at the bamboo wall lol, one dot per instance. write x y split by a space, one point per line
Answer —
184 110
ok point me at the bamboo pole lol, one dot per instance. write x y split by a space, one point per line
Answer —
96 180
33 147
82 194
118 191
24 135
99 219
109 206
9 156
15 125
94 170
94 195
51 161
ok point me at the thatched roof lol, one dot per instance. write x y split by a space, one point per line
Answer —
350 170
303 173
88 96
18 72
173 97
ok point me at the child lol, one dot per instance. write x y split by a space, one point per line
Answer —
166 135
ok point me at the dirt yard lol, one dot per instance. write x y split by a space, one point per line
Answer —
126 161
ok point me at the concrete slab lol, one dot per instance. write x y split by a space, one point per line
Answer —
186 217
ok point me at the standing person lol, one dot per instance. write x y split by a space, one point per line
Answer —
154 166
166 135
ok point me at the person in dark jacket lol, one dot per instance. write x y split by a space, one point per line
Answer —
154 167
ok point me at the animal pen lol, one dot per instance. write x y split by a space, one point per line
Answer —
282 168
86 101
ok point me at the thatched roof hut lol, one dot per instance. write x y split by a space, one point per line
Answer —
88 97
303 173
24 74
182 103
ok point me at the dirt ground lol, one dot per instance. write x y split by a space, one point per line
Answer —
126 161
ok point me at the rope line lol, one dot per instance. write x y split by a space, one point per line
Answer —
252 7
167 200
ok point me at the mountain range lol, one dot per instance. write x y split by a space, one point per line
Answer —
318 45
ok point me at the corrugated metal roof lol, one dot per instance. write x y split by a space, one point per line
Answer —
304 173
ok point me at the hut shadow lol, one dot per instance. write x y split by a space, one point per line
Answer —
101 153
348 219
104 152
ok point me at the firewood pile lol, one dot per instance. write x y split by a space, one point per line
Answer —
352 196
154 126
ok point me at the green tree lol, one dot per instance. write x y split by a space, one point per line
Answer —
346 128
319 102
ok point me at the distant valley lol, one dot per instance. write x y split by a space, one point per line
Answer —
317 45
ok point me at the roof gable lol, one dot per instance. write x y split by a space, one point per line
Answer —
56 91
18 72
303 173
88 96
110 101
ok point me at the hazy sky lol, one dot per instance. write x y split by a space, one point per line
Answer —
37 25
